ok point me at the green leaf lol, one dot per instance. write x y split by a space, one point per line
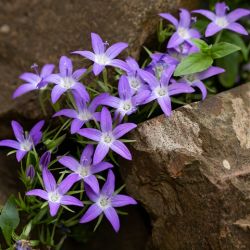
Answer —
223 49
200 44
194 63
52 144
9 219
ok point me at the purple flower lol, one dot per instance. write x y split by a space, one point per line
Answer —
221 20
102 57
67 80
84 113
183 30
195 80
107 137
34 81
55 194
126 103
30 172
25 141
85 170
45 160
161 90
105 202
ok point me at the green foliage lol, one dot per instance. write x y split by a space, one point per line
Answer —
223 49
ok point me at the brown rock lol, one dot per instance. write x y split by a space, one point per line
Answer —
33 31
191 172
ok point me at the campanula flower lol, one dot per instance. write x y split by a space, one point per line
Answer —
45 160
221 20
103 57
184 32
25 141
108 137
161 90
56 194
30 172
67 80
105 201
34 81
85 169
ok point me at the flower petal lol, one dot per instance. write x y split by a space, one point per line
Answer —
110 101
113 218
140 97
48 180
47 69
237 14
23 89
119 64
71 113
91 194
115 49
175 40
81 90
87 153
185 18
149 78
212 29
179 88
38 192
76 125
209 14
87 54
65 66
170 18
53 208
97 43
120 200
69 162
124 90
123 129
100 153
202 88
90 133
97 69
78 74
210 72
93 183
56 93
71 200
109 186
93 212
100 167
31 78
67 183
220 9
20 154
18 130
106 120
36 133
238 28
165 103
120 148
54 78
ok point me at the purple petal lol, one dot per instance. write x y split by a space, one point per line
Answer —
106 120
54 78
76 125
149 78
97 102
202 88
36 133
212 29
47 69
110 101
132 63
93 212
120 148
236 27
69 162
20 154
175 40
71 113
70 200
53 208
92 195
23 89
93 183
194 34
179 88
38 192
220 9
78 74
67 183
48 180
210 72
113 218
166 75
31 78
56 93
165 103
97 69
120 200
65 66
100 167
81 90
115 49
185 18
237 14
90 133
87 54
97 43
119 64
140 97
10 144
170 18
100 153
18 130
123 129
124 90
45 160
209 14
109 186
87 153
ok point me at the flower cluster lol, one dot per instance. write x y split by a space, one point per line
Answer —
99 120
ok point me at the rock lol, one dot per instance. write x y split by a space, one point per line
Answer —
34 31
191 172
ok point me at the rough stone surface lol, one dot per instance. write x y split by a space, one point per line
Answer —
34 31
191 172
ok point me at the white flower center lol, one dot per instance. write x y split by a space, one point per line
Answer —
54 196
107 138
26 145
134 82
104 202
221 22
84 115
83 171
182 32
102 59
160 92
126 105
67 82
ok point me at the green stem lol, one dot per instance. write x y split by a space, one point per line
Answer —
218 37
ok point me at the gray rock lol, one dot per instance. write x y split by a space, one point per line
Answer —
191 172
